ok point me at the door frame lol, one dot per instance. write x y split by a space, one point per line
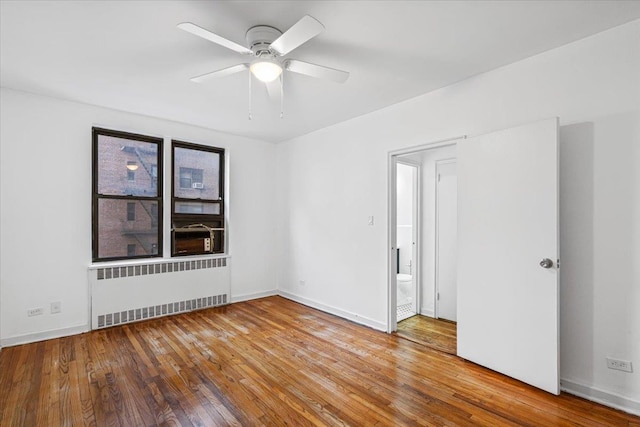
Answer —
392 223
436 252
415 230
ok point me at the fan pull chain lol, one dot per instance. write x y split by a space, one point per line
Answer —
282 95
250 91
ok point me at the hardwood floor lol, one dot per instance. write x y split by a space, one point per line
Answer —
434 333
266 362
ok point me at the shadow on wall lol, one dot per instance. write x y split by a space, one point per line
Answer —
576 249
599 199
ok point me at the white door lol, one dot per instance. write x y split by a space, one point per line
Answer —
446 239
507 226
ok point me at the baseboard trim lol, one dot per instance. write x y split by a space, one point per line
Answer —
428 313
603 397
254 295
45 335
374 324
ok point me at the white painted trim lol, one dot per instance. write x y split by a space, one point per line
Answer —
392 158
143 261
254 295
426 146
598 395
417 238
408 162
374 324
45 335
428 313
392 237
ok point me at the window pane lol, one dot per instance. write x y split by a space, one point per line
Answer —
198 174
131 211
127 167
118 236
197 208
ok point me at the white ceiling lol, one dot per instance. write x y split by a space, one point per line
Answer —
130 56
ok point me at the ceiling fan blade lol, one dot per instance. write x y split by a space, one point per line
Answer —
208 35
305 29
317 71
220 73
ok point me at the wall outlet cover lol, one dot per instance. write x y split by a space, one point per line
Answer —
620 365
56 307
35 311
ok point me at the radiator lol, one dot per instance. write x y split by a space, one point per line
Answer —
130 293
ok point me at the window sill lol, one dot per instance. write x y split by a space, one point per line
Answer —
147 261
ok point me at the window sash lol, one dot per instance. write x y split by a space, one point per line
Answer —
134 215
184 177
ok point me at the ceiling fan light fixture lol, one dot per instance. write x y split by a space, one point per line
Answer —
266 69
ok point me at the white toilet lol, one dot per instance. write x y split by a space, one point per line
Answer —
405 288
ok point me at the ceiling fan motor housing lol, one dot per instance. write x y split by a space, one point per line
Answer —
260 37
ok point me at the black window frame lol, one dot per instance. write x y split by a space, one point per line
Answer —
96 196
181 219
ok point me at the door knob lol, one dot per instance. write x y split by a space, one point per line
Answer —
546 263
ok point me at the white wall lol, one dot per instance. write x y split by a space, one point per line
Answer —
45 199
331 180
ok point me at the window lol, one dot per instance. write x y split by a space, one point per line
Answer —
127 195
197 204
191 178
131 211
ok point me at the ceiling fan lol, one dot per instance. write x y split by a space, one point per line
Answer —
268 45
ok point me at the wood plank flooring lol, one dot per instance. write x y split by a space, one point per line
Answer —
266 362
438 334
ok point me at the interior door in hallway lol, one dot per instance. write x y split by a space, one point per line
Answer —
446 239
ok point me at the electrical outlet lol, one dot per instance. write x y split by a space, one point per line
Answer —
35 311
370 221
207 244
302 283
56 307
620 365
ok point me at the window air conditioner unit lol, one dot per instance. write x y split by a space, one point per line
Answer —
197 185
195 239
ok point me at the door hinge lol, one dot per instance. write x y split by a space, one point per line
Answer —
438 296
438 177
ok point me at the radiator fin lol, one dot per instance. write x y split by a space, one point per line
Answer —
159 268
132 315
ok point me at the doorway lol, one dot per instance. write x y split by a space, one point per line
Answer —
507 312
407 202
433 265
